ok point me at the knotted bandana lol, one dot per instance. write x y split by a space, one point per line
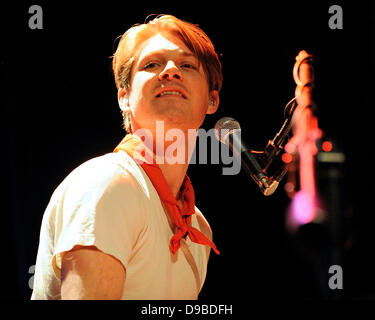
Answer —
181 217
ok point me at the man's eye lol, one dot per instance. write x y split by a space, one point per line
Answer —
188 66
150 65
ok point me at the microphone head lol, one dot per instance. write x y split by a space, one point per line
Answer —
224 127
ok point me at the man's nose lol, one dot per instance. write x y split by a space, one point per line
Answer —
170 72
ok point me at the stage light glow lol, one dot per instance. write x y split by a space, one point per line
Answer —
327 146
287 158
303 207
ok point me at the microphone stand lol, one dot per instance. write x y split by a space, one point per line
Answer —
272 150
307 124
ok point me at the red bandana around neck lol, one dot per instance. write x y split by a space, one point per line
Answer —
181 217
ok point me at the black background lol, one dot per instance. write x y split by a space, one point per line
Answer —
59 108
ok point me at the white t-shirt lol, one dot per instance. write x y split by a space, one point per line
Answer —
109 202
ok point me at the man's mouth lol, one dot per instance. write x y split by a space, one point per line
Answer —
172 93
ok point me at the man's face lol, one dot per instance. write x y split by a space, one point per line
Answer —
168 84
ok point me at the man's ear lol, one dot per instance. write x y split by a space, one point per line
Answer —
214 101
123 99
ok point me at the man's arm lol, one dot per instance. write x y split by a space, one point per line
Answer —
89 274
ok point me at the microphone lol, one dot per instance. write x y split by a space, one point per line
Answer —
228 131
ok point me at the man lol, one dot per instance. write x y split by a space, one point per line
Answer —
121 226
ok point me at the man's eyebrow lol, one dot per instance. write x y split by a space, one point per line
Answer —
188 54
160 53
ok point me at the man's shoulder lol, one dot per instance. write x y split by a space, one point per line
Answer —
107 166
106 172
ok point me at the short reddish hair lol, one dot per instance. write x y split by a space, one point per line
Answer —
190 34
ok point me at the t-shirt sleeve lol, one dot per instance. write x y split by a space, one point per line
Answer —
101 207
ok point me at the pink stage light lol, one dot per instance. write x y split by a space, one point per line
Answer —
303 207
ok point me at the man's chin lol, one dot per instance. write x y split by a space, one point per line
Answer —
175 117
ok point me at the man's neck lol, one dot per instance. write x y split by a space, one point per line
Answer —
174 174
